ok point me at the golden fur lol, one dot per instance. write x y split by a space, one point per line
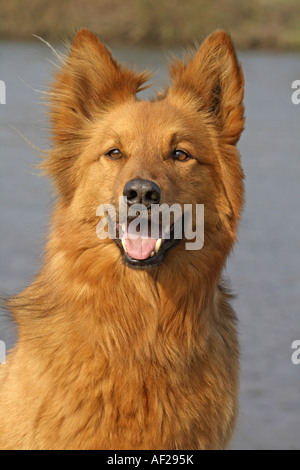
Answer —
110 357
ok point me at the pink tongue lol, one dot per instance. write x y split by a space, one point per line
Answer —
140 248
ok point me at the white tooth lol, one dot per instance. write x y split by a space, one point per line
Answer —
157 245
124 245
152 254
123 229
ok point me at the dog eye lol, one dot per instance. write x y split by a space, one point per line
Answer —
181 156
114 154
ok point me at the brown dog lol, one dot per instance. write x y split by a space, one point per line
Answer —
132 345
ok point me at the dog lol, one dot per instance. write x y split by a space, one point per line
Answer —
131 342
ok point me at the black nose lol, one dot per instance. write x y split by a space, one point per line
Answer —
144 192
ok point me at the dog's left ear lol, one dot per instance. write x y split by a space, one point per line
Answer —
213 80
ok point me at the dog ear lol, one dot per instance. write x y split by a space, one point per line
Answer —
214 77
89 82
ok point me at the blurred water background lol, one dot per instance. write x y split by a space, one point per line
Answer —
264 269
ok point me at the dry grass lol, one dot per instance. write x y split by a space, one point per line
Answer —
252 23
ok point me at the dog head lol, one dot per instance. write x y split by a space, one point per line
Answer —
179 148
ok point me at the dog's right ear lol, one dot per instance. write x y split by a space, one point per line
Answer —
89 82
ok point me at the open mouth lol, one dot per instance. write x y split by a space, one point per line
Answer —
142 251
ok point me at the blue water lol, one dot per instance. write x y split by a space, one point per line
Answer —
264 268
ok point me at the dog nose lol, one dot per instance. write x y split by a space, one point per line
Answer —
140 191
